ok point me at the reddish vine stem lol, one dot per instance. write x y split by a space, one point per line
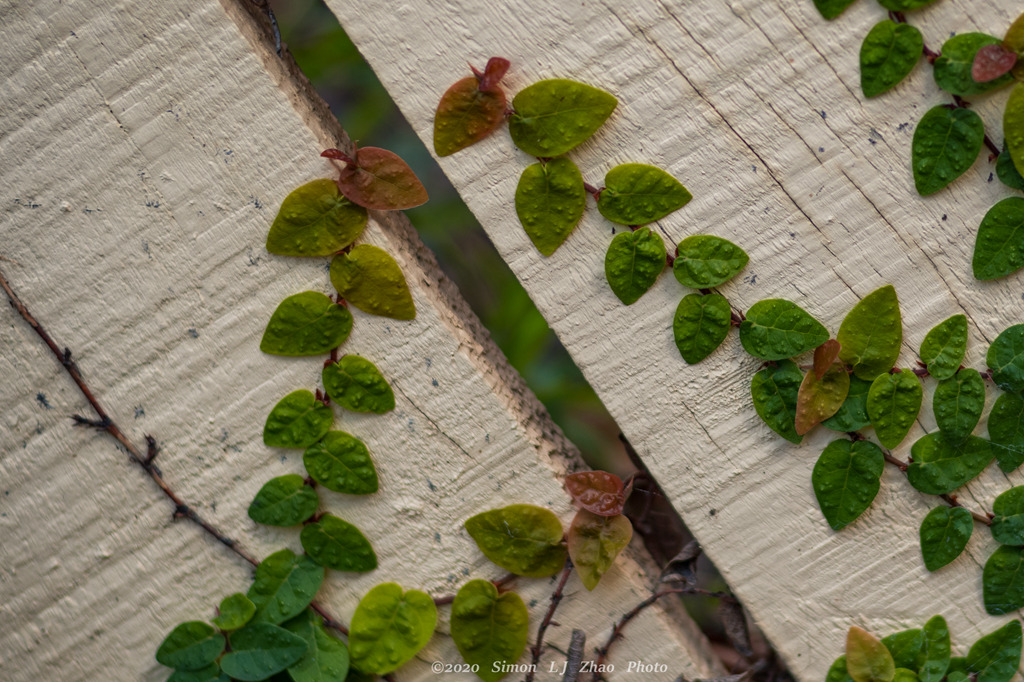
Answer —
556 597
951 500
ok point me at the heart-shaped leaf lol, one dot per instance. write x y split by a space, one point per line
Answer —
550 199
553 116
942 464
953 67
830 9
190 646
819 399
637 194
992 62
467 114
326 657
846 480
1008 522
489 630
283 586
871 334
905 647
700 325
775 390
889 52
996 656
261 650
598 492
944 535
776 329
521 538
1006 431
1002 582
234 612
1007 172
594 542
946 143
999 248
210 673
389 627
341 462
1006 359
633 263
356 384
959 402
853 415
309 323
1013 125
284 501
904 5
867 659
336 543
297 421
315 220
943 348
837 672
370 279
704 261
377 178
933 660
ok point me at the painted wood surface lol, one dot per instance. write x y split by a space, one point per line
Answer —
756 107
144 149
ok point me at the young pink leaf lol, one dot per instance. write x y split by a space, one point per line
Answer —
495 70
991 62
824 356
597 491
379 179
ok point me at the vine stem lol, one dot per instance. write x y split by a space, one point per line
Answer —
104 422
556 597
951 500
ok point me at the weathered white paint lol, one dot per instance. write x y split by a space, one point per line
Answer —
755 106
143 150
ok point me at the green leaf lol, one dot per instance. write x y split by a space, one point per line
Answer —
776 329
999 247
1007 172
1013 124
297 421
959 402
341 462
594 542
1008 522
700 325
466 114
830 9
389 627
190 646
370 279
356 384
550 199
775 391
1006 359
944 535
309 323
933 661
904 675
378 179
521 538
1006 431
284 501
489 628
210 673
894 401
599 492
283 586
952 68
943 464
633 263
889 52
553 116
905 647
871 334
704 261
837 672
1014 38
943 348
819 399
853 415
335 543
326 657
996 656
904 5
261 650
946 143
234 612
867 659
846 480
637 194
315 220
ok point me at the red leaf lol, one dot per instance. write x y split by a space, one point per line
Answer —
598 492
824 356
381 180
991 62
467 114
493 73
335 154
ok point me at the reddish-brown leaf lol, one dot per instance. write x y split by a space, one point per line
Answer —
991 62
466 114
598 492
377 178
495 70
824 356
819 399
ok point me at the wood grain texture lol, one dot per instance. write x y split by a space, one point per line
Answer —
144 150
756 107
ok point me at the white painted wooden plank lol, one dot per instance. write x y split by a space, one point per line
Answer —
754 105
143 150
